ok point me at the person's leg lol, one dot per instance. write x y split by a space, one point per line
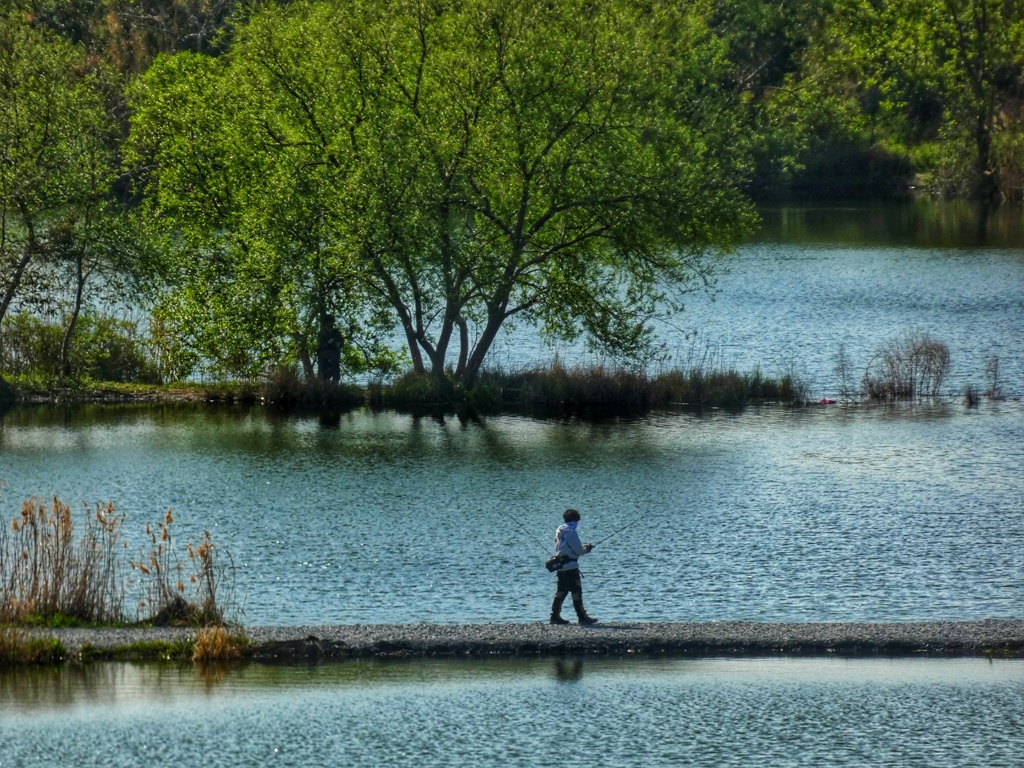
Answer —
577 601
556 605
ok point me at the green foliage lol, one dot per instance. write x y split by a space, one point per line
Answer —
938 72
103 349
17 648
448 168
55 158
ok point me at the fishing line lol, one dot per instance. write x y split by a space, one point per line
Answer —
527 532
631 523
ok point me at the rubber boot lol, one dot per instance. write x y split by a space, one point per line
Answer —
556 610
581 612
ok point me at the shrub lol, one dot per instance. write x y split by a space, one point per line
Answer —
914 366
16 647
102 349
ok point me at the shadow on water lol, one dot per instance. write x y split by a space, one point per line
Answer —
568 670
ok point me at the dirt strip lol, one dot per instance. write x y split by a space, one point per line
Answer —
940 638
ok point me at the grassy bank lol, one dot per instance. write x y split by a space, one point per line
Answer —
543 389
611 390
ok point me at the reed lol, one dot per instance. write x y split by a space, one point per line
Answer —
213 644
613 387
53 575
48 572
282 387
597 387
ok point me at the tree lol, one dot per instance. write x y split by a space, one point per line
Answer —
945 76
462 164
256 273
54 162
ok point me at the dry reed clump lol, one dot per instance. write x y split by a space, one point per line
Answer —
176 592
51 576
914 366
214 644
45 571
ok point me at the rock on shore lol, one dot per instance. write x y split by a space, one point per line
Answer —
953 638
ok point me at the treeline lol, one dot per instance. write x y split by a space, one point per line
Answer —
232 188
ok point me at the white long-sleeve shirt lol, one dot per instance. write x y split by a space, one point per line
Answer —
567 541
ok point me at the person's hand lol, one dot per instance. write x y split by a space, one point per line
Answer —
587 547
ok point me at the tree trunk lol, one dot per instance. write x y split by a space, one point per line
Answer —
307 364
69 332
460 369
328 349
494 320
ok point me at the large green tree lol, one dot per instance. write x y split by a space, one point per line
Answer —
55 158
460 165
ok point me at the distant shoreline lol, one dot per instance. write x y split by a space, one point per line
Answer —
1002 638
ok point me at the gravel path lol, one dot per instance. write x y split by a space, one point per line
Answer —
954 638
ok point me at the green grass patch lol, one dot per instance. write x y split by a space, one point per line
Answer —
18 648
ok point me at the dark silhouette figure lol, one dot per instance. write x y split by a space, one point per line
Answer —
328 350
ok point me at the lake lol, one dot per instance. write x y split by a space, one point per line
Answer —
838 512
707 712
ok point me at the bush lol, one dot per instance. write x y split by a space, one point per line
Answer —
914 366
102 349
16 647
217 644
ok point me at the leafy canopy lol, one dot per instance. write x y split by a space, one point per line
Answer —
453 166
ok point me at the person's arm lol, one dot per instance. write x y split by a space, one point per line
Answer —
574 545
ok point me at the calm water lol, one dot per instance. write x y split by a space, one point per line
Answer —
834 513
823 513
713 713
818 280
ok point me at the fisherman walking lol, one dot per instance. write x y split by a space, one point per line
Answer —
568 545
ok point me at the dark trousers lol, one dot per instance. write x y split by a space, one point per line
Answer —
569 582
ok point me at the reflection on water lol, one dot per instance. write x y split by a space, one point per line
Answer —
711 712
925 224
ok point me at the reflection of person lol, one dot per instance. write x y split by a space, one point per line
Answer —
567 543
568 670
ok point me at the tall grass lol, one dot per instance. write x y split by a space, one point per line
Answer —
52 574
598 387
48 572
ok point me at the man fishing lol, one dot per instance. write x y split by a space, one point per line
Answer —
568 545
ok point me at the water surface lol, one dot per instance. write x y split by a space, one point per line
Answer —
712 712
828 513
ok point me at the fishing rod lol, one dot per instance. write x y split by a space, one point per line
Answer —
631 523
616 532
